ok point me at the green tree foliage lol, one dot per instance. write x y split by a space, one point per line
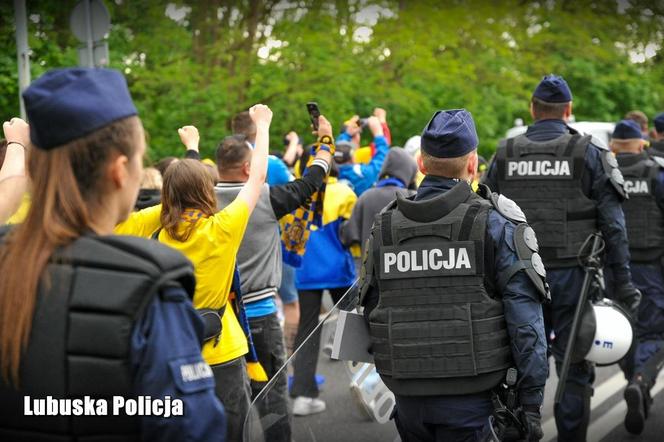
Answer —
203 61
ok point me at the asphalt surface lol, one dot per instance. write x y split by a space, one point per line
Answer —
344 420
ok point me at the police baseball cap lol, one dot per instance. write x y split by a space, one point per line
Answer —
627 130
553 89
66 104
450 134
659 123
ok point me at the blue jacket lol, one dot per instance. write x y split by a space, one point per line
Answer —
364 176
326 263
166 344
596 186
523 313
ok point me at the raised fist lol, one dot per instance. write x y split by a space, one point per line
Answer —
374 126
189 137
381 114
260 114
17 130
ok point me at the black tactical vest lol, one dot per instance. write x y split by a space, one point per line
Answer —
544 179
656 149
643 217
437 329
94 292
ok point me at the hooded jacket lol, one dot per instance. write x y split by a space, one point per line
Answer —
398 172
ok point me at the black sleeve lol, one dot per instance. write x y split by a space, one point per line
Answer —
192 154
287 197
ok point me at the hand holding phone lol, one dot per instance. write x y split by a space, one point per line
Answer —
314 113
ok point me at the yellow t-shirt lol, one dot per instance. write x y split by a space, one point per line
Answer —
212 247
22 211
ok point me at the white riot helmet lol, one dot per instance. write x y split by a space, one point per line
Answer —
605 335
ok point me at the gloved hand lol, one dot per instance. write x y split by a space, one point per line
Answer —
532 421
629 297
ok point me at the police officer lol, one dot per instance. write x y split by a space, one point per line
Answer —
644 216
656 148
569 186
84 313
451 288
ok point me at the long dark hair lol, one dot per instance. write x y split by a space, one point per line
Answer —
187 185
66 182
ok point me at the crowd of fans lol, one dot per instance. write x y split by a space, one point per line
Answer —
228 216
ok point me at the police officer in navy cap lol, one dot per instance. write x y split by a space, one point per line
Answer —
656 148
84 313
569 187
452 287
644 216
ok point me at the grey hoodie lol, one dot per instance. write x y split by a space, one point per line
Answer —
399 165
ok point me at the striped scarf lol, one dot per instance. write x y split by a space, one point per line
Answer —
296 226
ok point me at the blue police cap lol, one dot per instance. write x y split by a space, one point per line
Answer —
626 130
553 89
659 123
66 104
450 134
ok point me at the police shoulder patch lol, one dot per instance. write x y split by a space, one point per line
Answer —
599 143
610 166
508 208
527 248
191 374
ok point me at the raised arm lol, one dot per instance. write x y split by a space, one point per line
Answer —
287 197
190 138
13 179
262 116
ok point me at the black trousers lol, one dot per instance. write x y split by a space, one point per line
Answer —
232 388
304 366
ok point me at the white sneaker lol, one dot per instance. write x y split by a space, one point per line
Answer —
304 406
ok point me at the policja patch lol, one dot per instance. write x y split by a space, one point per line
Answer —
418 261
191 374
539 169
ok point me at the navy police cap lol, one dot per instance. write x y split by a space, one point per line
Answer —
450 134
659 123
553 89
66 104
626 130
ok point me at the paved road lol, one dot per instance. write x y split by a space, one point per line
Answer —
344 421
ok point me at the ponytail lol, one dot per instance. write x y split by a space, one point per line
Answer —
66 181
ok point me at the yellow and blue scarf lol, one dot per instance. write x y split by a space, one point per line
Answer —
296 227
